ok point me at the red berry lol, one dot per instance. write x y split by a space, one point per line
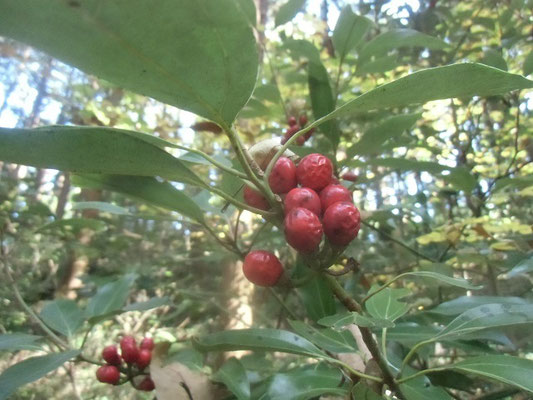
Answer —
290 133
262 268
130 353
110 355
309 133
292 121
145 356
332 194
300 140
255 199
303 230
305 198
283 176
108 374
350 176
302 120
314 171
147 384
147 343
128 340
341 223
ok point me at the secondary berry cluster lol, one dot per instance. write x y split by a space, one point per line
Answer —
315 205
137 359
294 126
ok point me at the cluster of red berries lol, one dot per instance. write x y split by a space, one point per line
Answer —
295 126
319 206
137 359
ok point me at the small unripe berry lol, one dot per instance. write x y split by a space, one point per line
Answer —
147 384
303 230
145 356
262 268
341 223
110 355
255 199
292 121
283 176
303 197
350 176
108 374
147 343
314 171
302 120
332 194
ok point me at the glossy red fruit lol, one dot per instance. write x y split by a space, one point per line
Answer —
128 340
303 230
147 384
110 355
292 121
262 268
332 194
255 199
309 133
145 356
305 198
302 120
108 374
283 176
341 223
350 176
300 140
314 171
129 349
147 343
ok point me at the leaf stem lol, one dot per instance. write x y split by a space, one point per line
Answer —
238 203
412 352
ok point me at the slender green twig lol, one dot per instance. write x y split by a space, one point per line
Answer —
419 373
282 303
412 352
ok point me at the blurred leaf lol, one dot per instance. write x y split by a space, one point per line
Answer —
459 282
464 303
327 339
378 66
258 340
233 375
349 31
528 64
385 304
100 206
63 316
421 389
19 341
74 225
461 179
409 165
409 332
339 321
316 294
154 302
110 297
288 11
363 392
183 62
523 267
494 59
30 370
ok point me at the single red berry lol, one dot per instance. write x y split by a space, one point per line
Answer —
130 353
283 176
309 133
341 223
110 355
314 171
147 384
303 120
303 230
128 340
292 121
305 198
332 194
108 374
262 268
147 343
300 140
290 133
350 176
255 199
145 356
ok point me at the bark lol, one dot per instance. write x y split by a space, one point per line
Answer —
62 198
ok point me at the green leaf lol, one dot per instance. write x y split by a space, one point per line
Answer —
30 370
100 206
383 43
378 66
188 59
464 303
63 316
111 297
507 369
327 339
306 383
376 136
409 332
317 296
258 340
154 302
288 11
486 316
385 304
494 59
349 31
74 225
233 375
146 189
363 392
448 280
523 267
19 341
409 165
528 64
92 150
340 320
461 179
421 389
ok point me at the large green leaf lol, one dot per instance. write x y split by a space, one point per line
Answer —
421 389
19 341
386 304
196 55
327 339
339 321
448 280
317 296
93 150
111 297
233 375
511 370
259 340
361 391
523 267
288 11
349 31
30 370
464 303
63 316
